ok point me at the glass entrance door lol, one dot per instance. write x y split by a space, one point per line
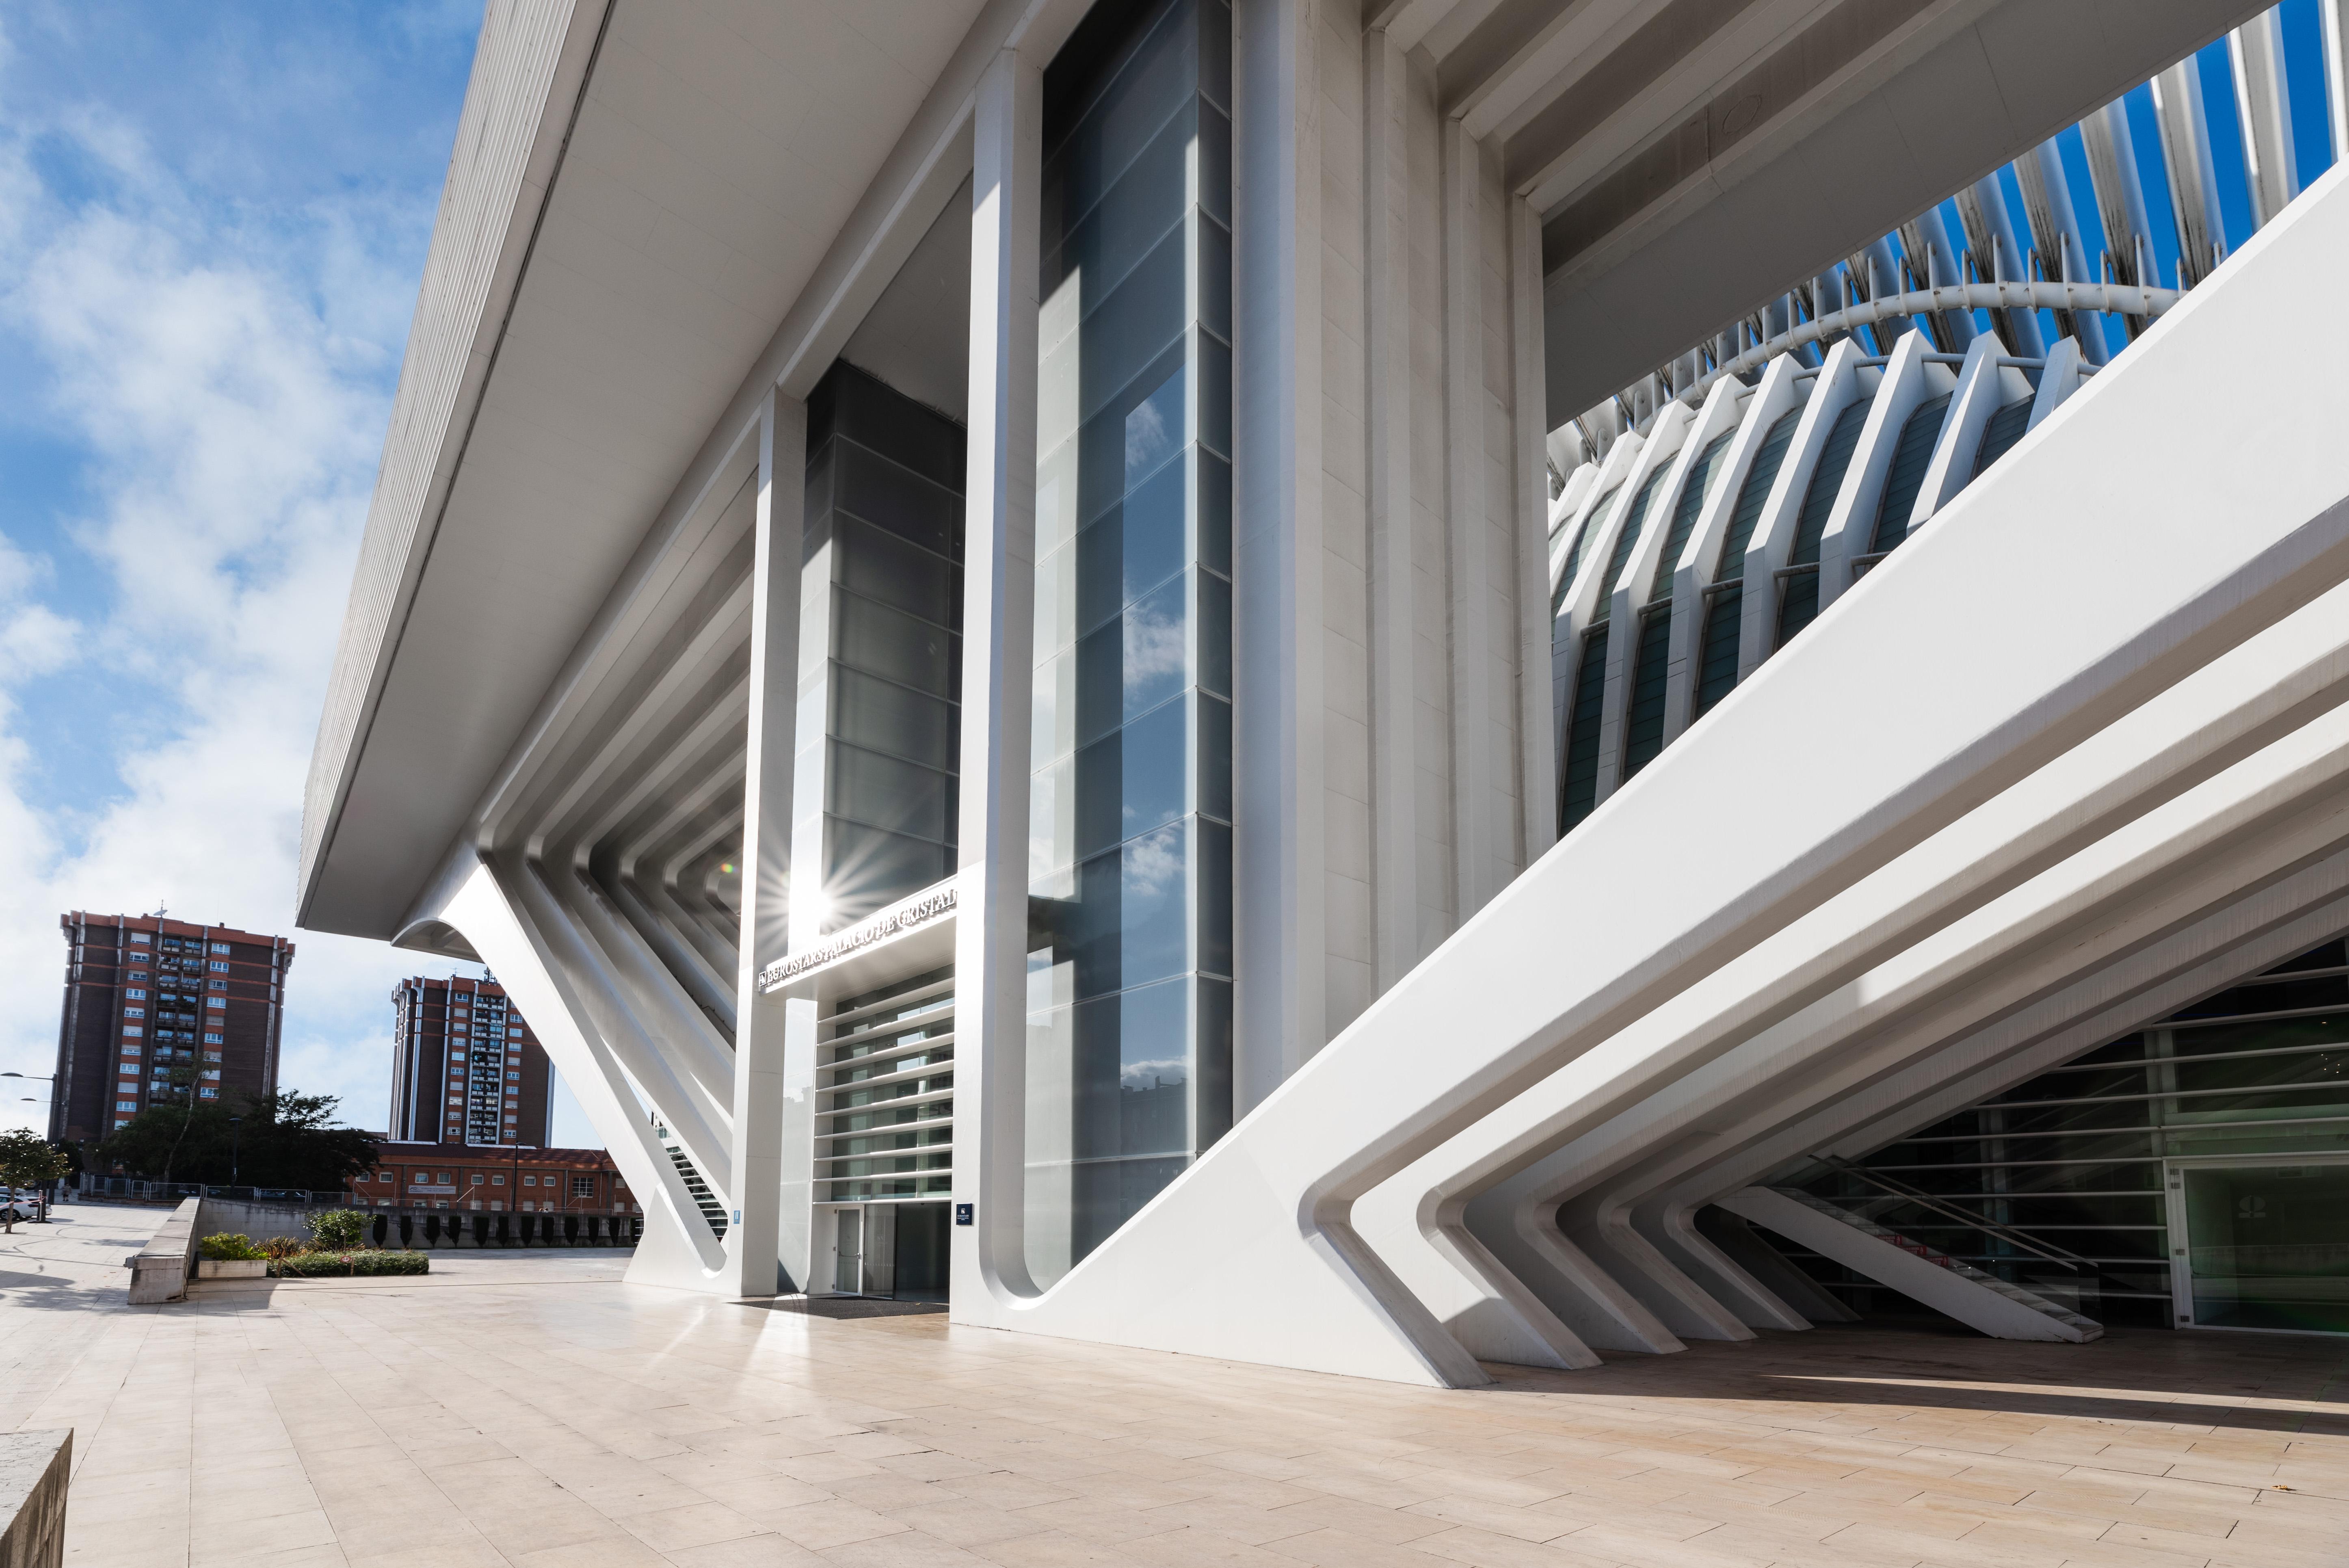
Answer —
2261 1246
848 1271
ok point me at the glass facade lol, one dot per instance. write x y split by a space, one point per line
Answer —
1644 723
1578 793
1596 518
885 517
1910 457
2193 1174
2000 432
1800 604
1129 1052
1724 608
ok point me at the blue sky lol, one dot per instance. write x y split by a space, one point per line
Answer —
212 219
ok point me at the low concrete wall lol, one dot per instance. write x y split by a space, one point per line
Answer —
258 1221
160 1270
34 1470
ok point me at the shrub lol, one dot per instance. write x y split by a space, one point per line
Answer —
282 1247
228 1247
339 1229
313 1265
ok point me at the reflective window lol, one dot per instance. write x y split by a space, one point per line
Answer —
1129 1054
1643 722
1578 780
1724 608
1627 538
2000 432
1592 519
884 512
1799 603
1643 733
1911 456
1704 476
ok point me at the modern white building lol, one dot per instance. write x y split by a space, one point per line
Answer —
1368 685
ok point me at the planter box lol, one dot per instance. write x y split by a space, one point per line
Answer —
231 1268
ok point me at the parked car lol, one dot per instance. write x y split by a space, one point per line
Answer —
26 1207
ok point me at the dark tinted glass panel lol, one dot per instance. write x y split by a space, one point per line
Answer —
1754 494
1716 669
1595 517
1579 782
888 469
1684 511
2002 430
1800 601
1627 538
1911 456
1643 731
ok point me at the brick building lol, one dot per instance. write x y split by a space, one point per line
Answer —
493 1181
466 1070
147 996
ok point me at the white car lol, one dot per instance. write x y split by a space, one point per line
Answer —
24 1208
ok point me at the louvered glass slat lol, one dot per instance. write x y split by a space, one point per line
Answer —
1643 730
1579 783
1703 475
1716 671
1591 519
1911 456
1800 603
1627 538
2002 430
1754 495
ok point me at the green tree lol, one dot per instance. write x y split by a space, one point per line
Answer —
282 1139
26 1159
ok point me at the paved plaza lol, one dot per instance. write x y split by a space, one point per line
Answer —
530 1409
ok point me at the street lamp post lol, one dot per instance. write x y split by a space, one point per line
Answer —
50 1079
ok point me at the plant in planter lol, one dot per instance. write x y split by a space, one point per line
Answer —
230 1255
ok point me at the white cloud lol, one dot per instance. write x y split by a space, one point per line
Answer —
226 382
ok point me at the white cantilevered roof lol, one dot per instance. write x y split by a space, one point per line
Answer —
656 207
570 356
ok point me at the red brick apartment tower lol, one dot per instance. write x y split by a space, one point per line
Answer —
465 1068
144 994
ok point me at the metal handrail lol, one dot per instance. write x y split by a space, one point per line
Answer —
2061 1256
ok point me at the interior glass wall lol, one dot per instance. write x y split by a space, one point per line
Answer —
884 520
2190 1175
1129 1006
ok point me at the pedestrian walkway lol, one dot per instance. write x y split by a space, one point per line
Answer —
531 1409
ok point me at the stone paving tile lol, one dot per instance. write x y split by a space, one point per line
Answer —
591 1425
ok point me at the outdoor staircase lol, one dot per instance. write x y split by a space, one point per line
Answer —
1979 1300
703 1199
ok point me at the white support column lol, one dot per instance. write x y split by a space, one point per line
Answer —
2193 180
1281 993
998 642
1394 691
2263 101
1537 731
2333 15
1466 528
753 1236
811 757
